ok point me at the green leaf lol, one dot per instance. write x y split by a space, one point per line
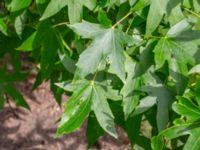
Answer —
53 7
156 11
20 23
85 93
41 5
195 69
102 110
45 37
186 108
90 4
94 130
67 62
9 78
175 131
197 91
164 100
103 19
193 142
3 27
106 43
16 96
132 2
132 128
76 109
141 4
158 8
130 97
75 8
145 104
174 12
178 59
37 38
65 85
2 102
17 5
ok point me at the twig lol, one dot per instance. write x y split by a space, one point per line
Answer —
60 24
122 19
192 12
10 106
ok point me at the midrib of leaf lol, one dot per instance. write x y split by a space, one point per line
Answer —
194 145
160 6
111 133
192 110
82 110
76 97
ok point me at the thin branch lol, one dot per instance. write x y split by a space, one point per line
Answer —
149 37
192 12
129 26
60 24
96 72
122 19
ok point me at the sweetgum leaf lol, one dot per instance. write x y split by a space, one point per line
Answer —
75 8
17 5
102 111
106 43
164 100
178 59
156 11
159 8
76 109
87 96
130 98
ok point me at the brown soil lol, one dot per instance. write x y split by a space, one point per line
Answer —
21 129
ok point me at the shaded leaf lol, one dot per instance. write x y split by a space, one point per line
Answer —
16 96
94 130
102 111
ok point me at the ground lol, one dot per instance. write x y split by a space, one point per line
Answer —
21 129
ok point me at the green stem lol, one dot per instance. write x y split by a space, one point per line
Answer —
129 26
149 37
60 24
122 19
95 75
192 12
